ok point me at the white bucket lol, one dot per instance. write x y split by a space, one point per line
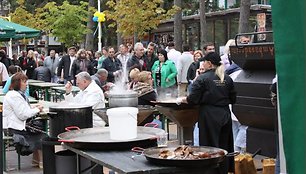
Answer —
122 123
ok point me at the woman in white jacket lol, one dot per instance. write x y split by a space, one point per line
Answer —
16 110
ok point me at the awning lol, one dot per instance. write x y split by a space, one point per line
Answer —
6 33
20 30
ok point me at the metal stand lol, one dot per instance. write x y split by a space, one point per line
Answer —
185 119
1 146
185 135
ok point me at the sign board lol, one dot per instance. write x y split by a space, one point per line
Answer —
261 26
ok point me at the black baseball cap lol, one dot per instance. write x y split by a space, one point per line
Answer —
214 58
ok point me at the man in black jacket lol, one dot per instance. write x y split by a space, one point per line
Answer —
138 60
65 65
112 65
151 56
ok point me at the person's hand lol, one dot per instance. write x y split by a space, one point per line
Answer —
40 107
68 87
184 100
117 73
106 94
178 101
107 86
198 72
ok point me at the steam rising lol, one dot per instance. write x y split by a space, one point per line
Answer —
121 82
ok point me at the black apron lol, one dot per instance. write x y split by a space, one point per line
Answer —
215 129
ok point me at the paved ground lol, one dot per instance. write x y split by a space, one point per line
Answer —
26 161
26 164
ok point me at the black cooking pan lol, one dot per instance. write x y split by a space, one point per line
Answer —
172 104
99 139
152 155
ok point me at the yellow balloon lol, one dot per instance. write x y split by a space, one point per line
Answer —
101 19
101 15
97 13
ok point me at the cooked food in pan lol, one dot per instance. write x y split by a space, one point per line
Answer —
186 152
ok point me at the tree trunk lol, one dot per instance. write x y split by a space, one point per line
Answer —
244 16
135 38
89 44
2 8
203 25
119 39
35 44
178 26
47 44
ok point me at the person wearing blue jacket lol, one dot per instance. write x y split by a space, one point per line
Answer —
12 70
164 73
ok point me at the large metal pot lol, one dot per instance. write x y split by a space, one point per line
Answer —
65 116
127 99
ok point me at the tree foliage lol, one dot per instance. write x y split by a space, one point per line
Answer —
46 16
66 22
31 5
70 24
137 16
22 16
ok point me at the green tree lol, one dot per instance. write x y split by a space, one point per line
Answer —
137 16
70 24
22 16
46 16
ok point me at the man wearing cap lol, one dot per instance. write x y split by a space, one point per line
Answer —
91 94
214 91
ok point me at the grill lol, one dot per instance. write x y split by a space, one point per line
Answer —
253 107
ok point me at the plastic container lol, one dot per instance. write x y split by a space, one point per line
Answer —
122 123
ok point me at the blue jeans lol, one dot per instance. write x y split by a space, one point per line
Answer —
239 135
196 141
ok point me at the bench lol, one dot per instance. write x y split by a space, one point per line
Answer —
7 141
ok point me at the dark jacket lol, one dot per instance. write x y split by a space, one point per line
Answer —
30 66
23 62
151 62
94 64
147 98
42 73
134 62
111 66
215 123
7 62
192 70
207 90
64 64
76 67
16 62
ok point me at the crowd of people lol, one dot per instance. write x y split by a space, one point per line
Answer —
169 67
153 72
